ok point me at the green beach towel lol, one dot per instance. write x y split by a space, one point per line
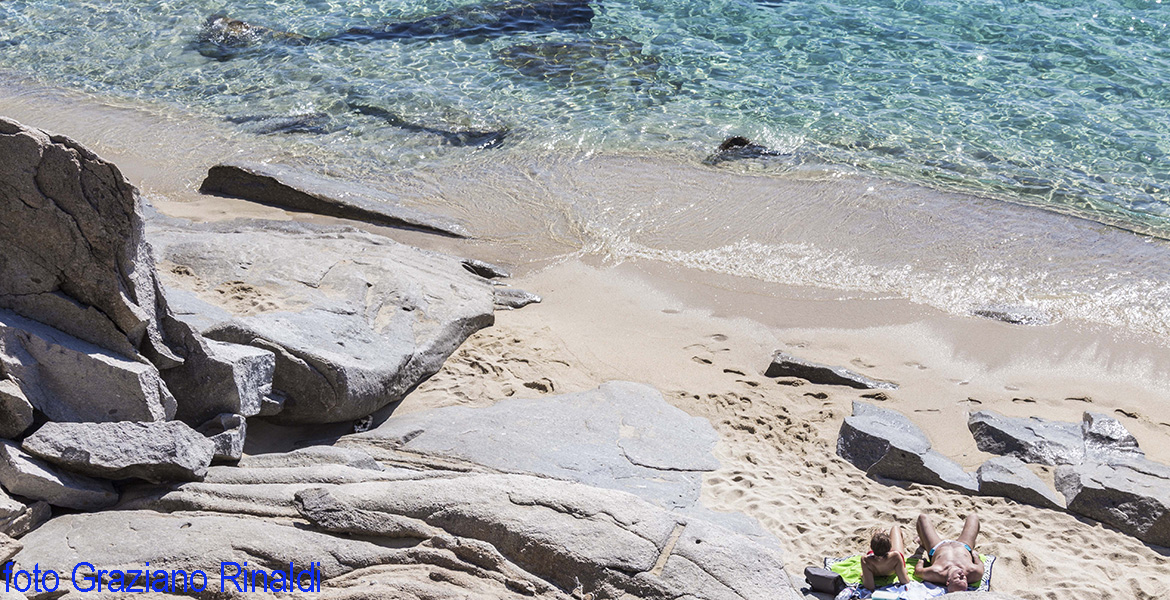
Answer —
849 568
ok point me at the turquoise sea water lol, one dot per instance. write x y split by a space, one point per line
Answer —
1054 102
590 141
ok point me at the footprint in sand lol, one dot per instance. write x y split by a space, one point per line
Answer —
861 364
915 365
1080 399
879 396
1126 413
1024 400
734 372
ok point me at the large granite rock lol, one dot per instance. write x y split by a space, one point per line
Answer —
285 187
69 379
1106 438
622 436
33 478
1032 439
884 443
16 413
161 451
1129 493
74 256
1009 477
354 320
786 365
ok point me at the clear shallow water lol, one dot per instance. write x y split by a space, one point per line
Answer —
1052 102
1045 103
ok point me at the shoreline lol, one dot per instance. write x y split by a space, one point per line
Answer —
703 339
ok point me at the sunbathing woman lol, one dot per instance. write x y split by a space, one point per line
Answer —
887 556
952 563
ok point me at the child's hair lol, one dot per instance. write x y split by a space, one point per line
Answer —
880 543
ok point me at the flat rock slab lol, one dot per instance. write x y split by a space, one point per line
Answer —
786 365
285 187
1032 439
70 379
886 444
161 451
1131 494
31 477
354 320
1010 477
312 456
621 436
129 539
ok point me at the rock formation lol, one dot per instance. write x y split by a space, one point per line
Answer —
786 365
884 443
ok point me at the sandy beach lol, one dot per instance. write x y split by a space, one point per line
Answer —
704 340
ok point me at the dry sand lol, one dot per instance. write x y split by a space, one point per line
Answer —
778 435
705 340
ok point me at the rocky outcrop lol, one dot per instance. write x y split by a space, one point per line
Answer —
621 435
75 257
1032 440
884 443
1129 493
16 413
283 187
163 451
354 320
8 548
1105 438
227 433
1009 477
33 478
69 379
27 519
786 365
221 378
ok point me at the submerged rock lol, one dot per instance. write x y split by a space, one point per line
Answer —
739 148
786 365
222 38
284 187
1014 315
475 138
34 478
164 451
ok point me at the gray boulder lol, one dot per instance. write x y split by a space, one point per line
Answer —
354 320
32 516
228 433
285 187
1105 438
622 436
8 548
1032 440
786 365
1129 493
221 378
1009 477
884 443
69 379
75 256
33 478
16 414
160 451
